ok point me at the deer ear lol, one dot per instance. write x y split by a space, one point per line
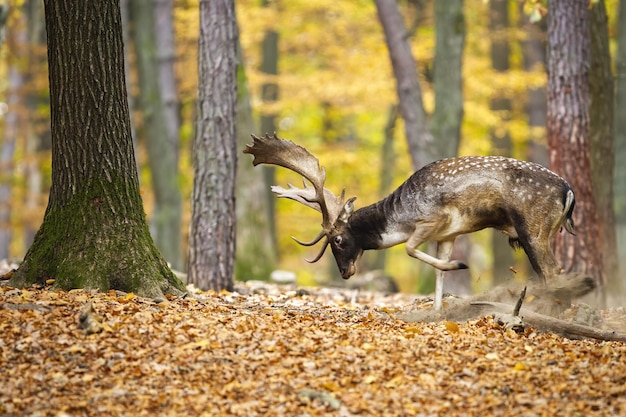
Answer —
347 211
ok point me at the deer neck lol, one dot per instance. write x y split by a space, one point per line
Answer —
367 225
376 228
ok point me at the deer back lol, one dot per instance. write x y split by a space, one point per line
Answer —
475 192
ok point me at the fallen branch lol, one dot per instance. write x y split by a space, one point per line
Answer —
561 327
24 306
520 300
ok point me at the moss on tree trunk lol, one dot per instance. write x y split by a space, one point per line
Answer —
94 233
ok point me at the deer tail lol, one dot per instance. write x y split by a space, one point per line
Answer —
568 210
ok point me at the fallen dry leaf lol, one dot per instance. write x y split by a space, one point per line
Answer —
265 351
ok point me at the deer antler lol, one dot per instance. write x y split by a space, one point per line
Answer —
274 151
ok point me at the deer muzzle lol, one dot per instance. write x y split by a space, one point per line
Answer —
349 271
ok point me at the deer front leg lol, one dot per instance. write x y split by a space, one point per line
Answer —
428 231
444 251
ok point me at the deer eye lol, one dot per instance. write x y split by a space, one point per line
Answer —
337 240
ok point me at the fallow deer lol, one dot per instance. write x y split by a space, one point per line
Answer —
439 202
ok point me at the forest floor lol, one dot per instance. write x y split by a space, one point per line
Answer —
287 351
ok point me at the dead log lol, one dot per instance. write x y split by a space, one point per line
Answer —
548 323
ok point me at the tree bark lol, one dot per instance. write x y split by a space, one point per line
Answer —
417 132
94 233
161 140
213 218
568 130
126 38
601 139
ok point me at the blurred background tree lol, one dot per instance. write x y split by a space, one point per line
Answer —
152 32
330 63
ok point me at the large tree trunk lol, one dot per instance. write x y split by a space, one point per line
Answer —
161 140
500 135
601 138
619 180
213 218
94 233
568 130
418 135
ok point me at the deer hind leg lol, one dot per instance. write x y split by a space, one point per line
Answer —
539 253
425 232
444 251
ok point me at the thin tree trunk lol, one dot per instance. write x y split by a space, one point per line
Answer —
388 160
269 96
500 136
534 59
568 130
13 125
213 217
37 125
160 139
4 14
11 129
447 117
256 251
166 58
94 233
448 77
418 135
601 138
619 178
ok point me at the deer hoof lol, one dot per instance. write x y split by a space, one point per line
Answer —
461 265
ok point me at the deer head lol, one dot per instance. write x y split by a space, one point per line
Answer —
336 211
